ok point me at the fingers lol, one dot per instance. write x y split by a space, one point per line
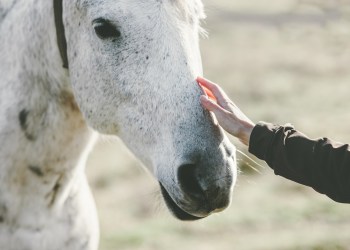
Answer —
228 115
223 117
208 93
219 94
211 105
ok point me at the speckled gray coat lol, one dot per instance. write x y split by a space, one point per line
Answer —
132 65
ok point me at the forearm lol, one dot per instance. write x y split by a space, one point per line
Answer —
321 164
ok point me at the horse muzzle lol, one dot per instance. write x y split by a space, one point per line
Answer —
199 193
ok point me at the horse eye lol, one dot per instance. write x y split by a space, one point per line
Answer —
105 29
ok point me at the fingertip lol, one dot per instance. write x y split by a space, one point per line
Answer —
203 98
208 103
200 80
205 101
204 80
207 83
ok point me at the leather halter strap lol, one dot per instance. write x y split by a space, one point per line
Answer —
61 37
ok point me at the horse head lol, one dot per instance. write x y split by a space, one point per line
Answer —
132 65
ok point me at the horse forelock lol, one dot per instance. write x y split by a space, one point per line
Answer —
189 8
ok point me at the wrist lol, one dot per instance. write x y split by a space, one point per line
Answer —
245 132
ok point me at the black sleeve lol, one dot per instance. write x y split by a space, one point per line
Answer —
321 164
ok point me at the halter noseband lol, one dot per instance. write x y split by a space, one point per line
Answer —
61 38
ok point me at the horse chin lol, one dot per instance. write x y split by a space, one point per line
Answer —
178 212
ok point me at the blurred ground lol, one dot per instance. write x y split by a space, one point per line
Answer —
280 61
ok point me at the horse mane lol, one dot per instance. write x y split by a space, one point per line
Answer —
188 9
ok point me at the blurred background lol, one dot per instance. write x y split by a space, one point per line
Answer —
283 61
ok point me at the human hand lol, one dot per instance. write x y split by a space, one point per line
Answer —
229 116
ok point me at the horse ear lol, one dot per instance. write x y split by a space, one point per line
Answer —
61 37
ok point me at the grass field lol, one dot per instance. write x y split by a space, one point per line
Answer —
283 61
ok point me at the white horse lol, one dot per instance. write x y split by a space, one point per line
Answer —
129 70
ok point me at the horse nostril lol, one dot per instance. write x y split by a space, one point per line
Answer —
188 179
